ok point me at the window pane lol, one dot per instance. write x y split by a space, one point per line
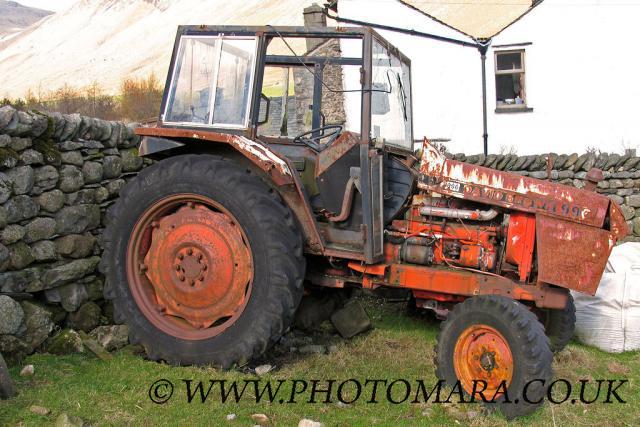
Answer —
190 97
343 108
315 46
340 87
509 61
510 88
277 85
390 99
234 81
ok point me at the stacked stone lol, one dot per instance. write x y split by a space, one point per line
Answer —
58 174
621 175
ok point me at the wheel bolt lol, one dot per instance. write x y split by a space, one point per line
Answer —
193 282
201 278
181 277
155 224
181 257
200 256
178 267
189 251
191 205
143 267
204 267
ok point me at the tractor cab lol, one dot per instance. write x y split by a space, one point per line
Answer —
335 104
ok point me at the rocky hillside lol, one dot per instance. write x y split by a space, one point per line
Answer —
108 40
14 17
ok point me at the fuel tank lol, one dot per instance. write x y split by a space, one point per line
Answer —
575 228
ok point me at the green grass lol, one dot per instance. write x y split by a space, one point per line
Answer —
116 392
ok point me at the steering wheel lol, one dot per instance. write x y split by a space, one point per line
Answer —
313 141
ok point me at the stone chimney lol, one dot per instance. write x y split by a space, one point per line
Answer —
314 17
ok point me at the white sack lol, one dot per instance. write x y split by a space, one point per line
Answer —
610 320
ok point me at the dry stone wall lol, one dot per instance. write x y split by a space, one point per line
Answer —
58 174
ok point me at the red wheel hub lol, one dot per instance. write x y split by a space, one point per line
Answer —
198 265
189 266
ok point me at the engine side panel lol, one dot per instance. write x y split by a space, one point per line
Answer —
571 255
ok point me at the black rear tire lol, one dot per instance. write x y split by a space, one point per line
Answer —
275 243
525 337
559 325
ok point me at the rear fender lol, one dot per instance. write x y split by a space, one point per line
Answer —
276 170
156 140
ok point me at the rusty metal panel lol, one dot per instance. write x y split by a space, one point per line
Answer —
571 255
521 238
617 223
345 142
512 191
258 153
462 282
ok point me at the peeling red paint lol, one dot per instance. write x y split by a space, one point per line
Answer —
511 191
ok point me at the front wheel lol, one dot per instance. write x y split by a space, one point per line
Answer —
497 345
559 324
203 261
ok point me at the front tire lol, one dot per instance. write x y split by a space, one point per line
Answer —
559 325
204 261
496 340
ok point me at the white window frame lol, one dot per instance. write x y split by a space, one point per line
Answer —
214 83
522 70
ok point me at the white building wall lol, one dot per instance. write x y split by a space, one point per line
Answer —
582 77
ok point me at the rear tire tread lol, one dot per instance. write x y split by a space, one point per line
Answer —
283 243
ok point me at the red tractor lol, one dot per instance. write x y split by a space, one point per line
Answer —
284 156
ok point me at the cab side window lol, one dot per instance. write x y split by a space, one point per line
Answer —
211 82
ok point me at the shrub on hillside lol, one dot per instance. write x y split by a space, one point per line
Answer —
138 100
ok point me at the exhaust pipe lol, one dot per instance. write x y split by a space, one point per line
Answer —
476 215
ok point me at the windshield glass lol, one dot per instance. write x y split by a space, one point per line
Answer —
390 98
211 82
